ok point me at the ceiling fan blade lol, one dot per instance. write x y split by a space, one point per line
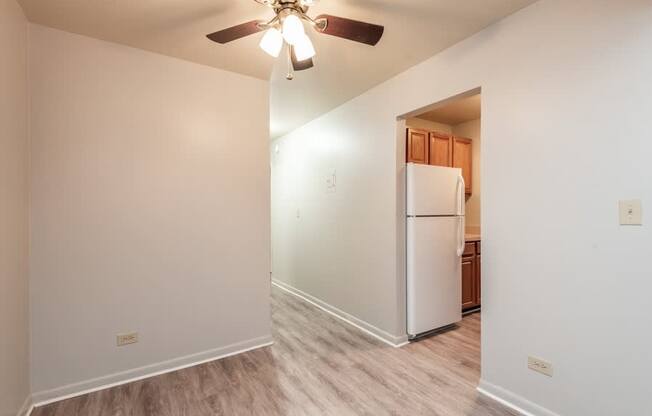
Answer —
300 65
354 30
237 32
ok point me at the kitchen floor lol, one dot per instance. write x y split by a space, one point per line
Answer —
317 366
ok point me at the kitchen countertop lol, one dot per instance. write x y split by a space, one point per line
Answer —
472 237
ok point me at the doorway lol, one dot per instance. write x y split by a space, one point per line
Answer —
443 141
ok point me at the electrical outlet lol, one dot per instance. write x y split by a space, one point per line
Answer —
126 339
540 366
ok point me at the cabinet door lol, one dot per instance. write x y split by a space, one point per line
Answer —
463 158
441 149
469 291
417 146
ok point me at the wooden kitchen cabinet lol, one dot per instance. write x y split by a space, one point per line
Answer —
417 146
469 291
471 276
441 149
463 159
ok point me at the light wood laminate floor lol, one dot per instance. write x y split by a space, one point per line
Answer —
317 366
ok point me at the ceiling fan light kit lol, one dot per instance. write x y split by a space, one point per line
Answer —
304 48
288 25
272 42
293 29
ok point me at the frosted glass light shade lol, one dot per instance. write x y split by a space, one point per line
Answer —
272 42
293 31
304 49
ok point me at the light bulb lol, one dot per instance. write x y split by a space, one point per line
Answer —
272 42
293 29
304 49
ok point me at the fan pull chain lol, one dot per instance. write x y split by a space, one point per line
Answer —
290 75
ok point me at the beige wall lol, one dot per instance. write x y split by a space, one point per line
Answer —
14 317
417 123
571 287
471 130
150 212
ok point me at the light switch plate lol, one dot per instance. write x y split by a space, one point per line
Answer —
331 182
631 212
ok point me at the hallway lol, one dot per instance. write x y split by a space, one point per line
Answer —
317 366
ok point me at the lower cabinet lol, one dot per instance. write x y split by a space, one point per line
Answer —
471 276
468 283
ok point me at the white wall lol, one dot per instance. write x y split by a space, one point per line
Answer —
339 247
14 150
471 130
562 281
150 211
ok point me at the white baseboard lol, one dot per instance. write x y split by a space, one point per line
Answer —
366 327
27 407
124 377
513 400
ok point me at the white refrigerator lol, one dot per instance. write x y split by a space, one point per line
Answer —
435 243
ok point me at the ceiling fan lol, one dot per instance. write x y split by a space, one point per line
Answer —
287 25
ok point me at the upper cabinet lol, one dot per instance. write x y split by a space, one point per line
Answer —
441 149
417 146
463 159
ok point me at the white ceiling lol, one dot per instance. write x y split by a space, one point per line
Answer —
414 31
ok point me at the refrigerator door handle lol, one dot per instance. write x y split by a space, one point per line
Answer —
460 236
461 187
461 225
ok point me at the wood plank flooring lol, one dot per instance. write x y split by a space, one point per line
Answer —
317 366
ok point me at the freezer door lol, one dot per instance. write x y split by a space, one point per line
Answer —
434 279
433 190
